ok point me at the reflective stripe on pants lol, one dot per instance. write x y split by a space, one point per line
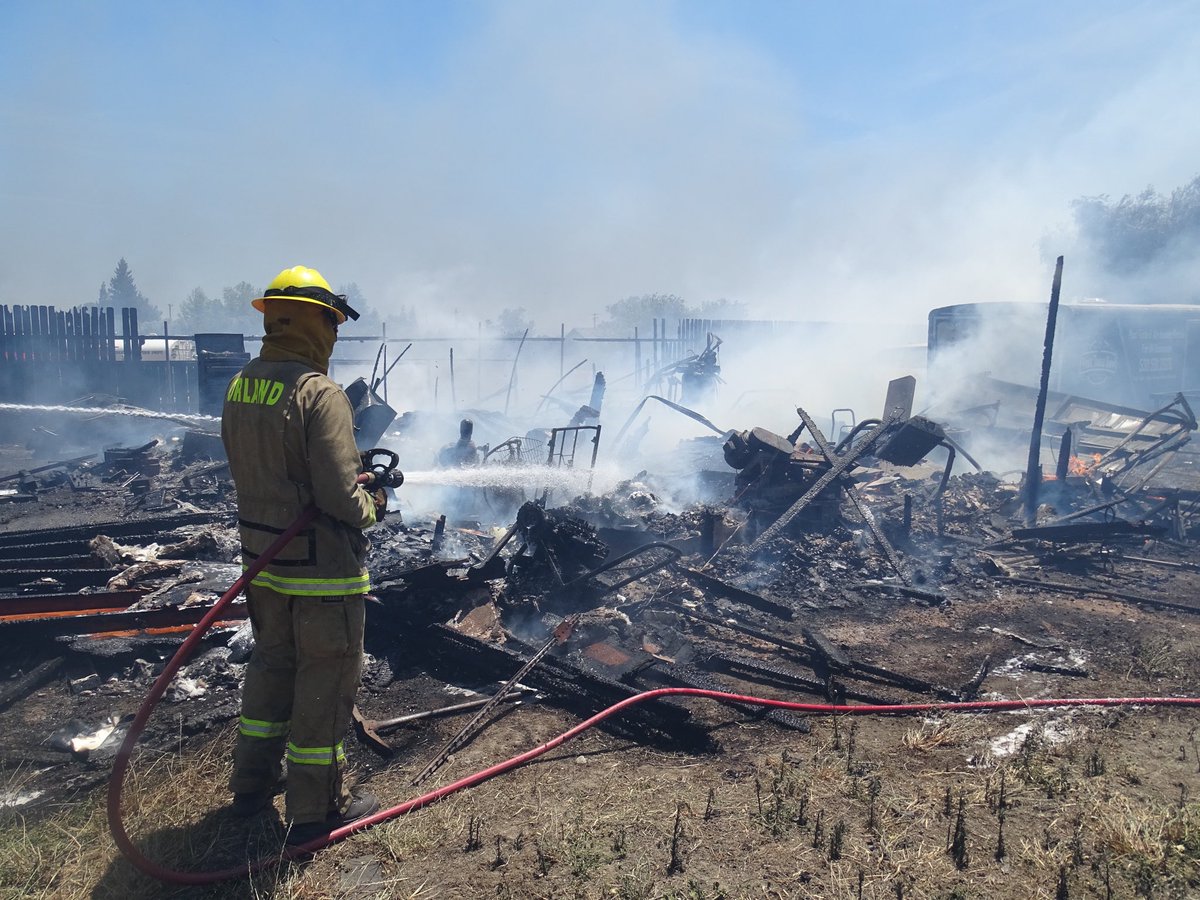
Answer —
316 756
256 728
304 670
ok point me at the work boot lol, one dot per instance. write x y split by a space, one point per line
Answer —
251 803
362 804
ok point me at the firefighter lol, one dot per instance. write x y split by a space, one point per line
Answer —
288 430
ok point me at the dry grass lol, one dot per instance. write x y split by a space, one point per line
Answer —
952 731
597 821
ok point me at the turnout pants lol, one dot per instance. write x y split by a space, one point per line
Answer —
296 701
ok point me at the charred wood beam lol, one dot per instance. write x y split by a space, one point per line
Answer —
734 593
933 598
836 469
689 676
75 461
1064 457
1033 467
970 690
107 622
69 579
479 720
48 550
1050 669
1177 411
625 569
1085 590
752 669
60 604
1108 505
122 528
861 670
863 508
660 722
1078 532
50 563
30 681
879 675
1191 567
833 655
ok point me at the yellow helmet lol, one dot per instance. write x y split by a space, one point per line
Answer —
307 285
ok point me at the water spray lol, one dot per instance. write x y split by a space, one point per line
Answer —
131 411
531 476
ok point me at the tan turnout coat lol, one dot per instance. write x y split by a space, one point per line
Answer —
288 404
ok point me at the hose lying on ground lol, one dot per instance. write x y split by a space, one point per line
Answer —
121 764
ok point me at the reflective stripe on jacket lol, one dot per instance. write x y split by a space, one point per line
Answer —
289 434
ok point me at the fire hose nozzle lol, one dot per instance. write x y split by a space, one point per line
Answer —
383 474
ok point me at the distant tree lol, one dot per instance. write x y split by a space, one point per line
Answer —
197 314
640 312
369 321
239 314
229 313
513 322
719 309
102 298
402 321
1135 232
123 292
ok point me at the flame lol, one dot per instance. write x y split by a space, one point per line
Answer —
1082 465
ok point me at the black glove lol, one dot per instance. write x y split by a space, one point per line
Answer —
379 495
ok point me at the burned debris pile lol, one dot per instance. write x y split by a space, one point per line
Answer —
786 578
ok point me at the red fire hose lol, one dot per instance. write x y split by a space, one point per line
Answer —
121 765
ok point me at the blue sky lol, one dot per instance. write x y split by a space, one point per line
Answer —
813 160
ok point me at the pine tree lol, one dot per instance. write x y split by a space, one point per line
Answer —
123 292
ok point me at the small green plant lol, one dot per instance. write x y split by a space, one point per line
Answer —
583 856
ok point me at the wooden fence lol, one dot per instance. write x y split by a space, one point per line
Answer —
51 356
